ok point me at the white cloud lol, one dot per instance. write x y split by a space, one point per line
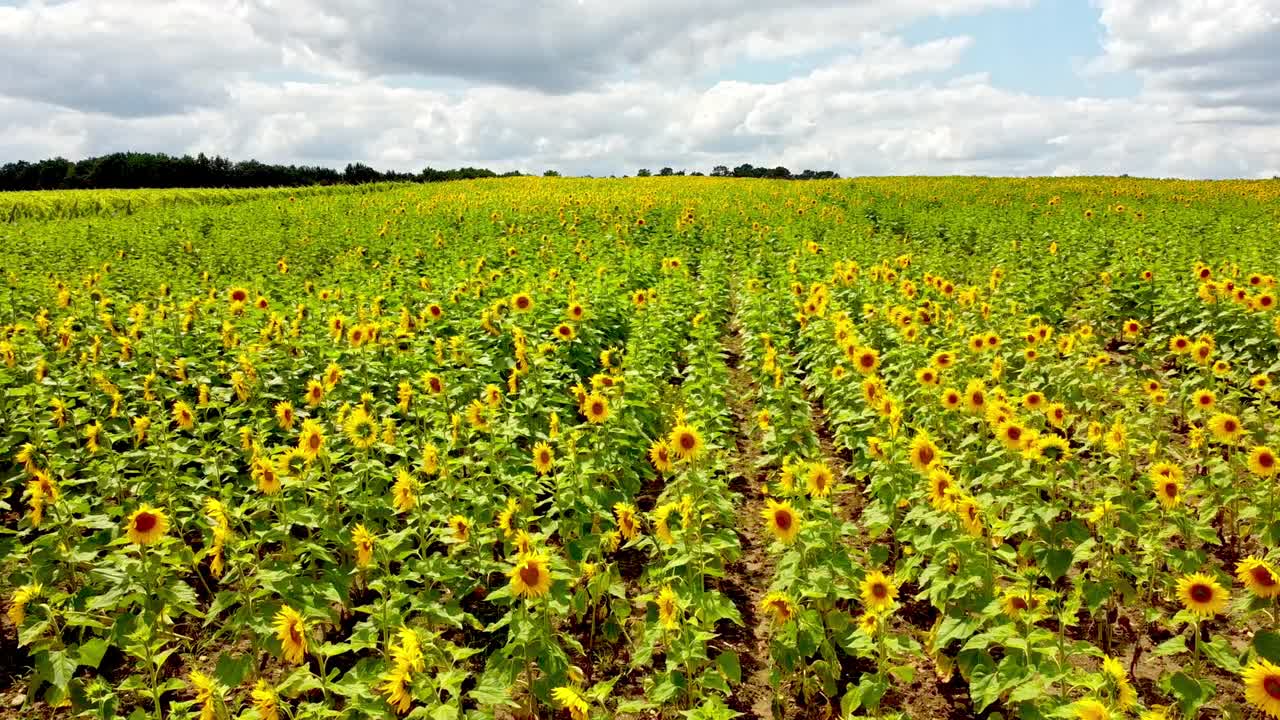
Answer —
600 88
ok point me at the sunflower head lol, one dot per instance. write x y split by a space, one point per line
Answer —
147 525
782 520
531 576
1202 595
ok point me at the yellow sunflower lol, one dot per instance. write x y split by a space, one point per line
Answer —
311 439
363 541
1262 461
1259 577
146 525
570 699
878 592
668 608
628 525
923 453
780 604
1226 429
1262 687
782 520
1202 595
542 458
942 489
1090 709
660 456
686 441
595 408
292 633
531 576
819 479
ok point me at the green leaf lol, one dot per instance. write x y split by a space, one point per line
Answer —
91 652
1173 646
232 669
1267 644
1222 654
905 674
1057 562
61 668
729 665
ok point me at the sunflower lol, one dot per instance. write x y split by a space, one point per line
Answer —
395 685
565 332
434 384
1180 344
869 623
1033 400
780 604
363 541
668 608
1259 577
1090 709
866 360
183 416
923 452
819 479
1262 461
266 476
147 525
1202 351
19 600
943 360
1013 603
686 441
878 592
542 458
522 302
660 456
1116 439
951 398
361 428
927 376
1166 481
265 701
461 528
311 439
970 514
975 396
942 489
570 699
1262 686
531 576
1011 434
1202 595
1132 328
1226 428
626 517
782 520
237 294
405 492
595 408
292 633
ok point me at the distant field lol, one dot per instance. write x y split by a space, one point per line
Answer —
668 447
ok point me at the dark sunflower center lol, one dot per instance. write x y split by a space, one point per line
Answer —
879 591
1170 490
1263 577
597 408
1018 604
977 398
1271 686
530 575
782 519
1014 434
1229 426
545 457
314 442
867 361
145 522
1266 460
1201 593
688 441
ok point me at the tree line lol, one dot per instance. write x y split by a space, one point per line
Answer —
157 170
747 170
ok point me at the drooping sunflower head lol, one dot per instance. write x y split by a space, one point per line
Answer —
291 631
780 605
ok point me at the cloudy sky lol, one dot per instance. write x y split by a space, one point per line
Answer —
1149 87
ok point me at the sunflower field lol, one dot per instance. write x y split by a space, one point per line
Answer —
652 448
